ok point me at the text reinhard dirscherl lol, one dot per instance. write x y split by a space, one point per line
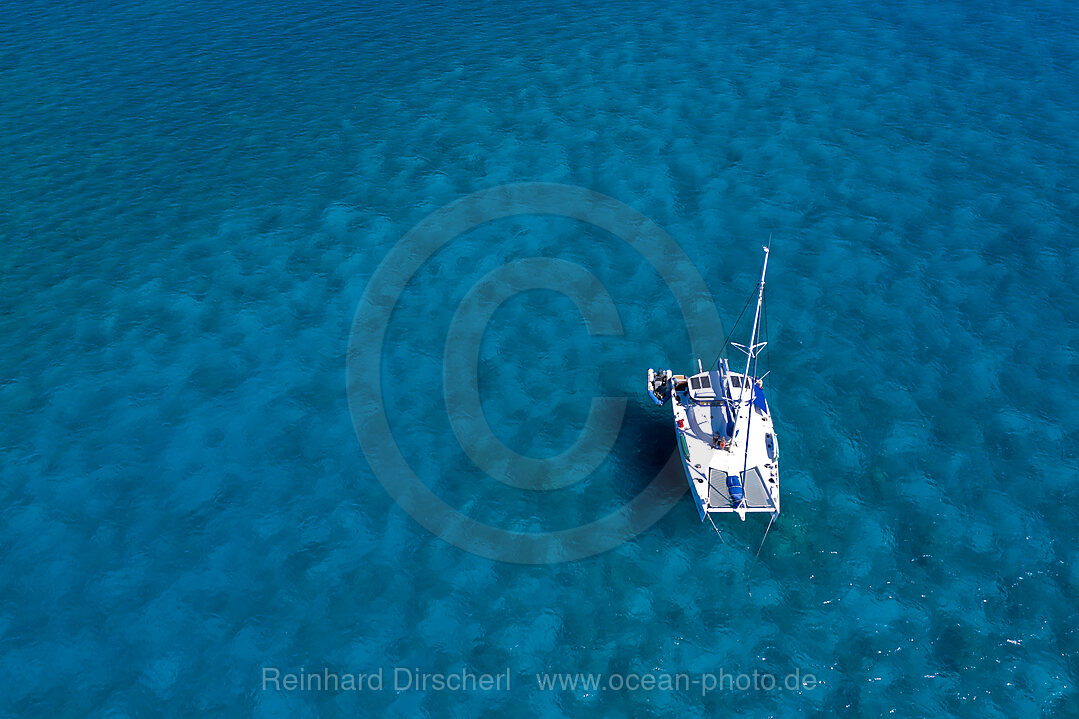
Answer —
403 679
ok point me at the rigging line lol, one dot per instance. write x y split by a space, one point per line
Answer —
768 366
765 535
749 423
734 326
749 419
715 527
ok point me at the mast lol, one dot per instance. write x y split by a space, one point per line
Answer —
754 347
751 354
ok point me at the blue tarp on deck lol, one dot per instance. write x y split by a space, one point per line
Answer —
758 398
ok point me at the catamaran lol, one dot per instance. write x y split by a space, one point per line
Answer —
725 432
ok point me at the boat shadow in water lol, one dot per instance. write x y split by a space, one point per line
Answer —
651 453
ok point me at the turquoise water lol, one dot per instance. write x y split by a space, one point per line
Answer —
194 200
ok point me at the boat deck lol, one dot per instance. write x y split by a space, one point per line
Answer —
700 427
